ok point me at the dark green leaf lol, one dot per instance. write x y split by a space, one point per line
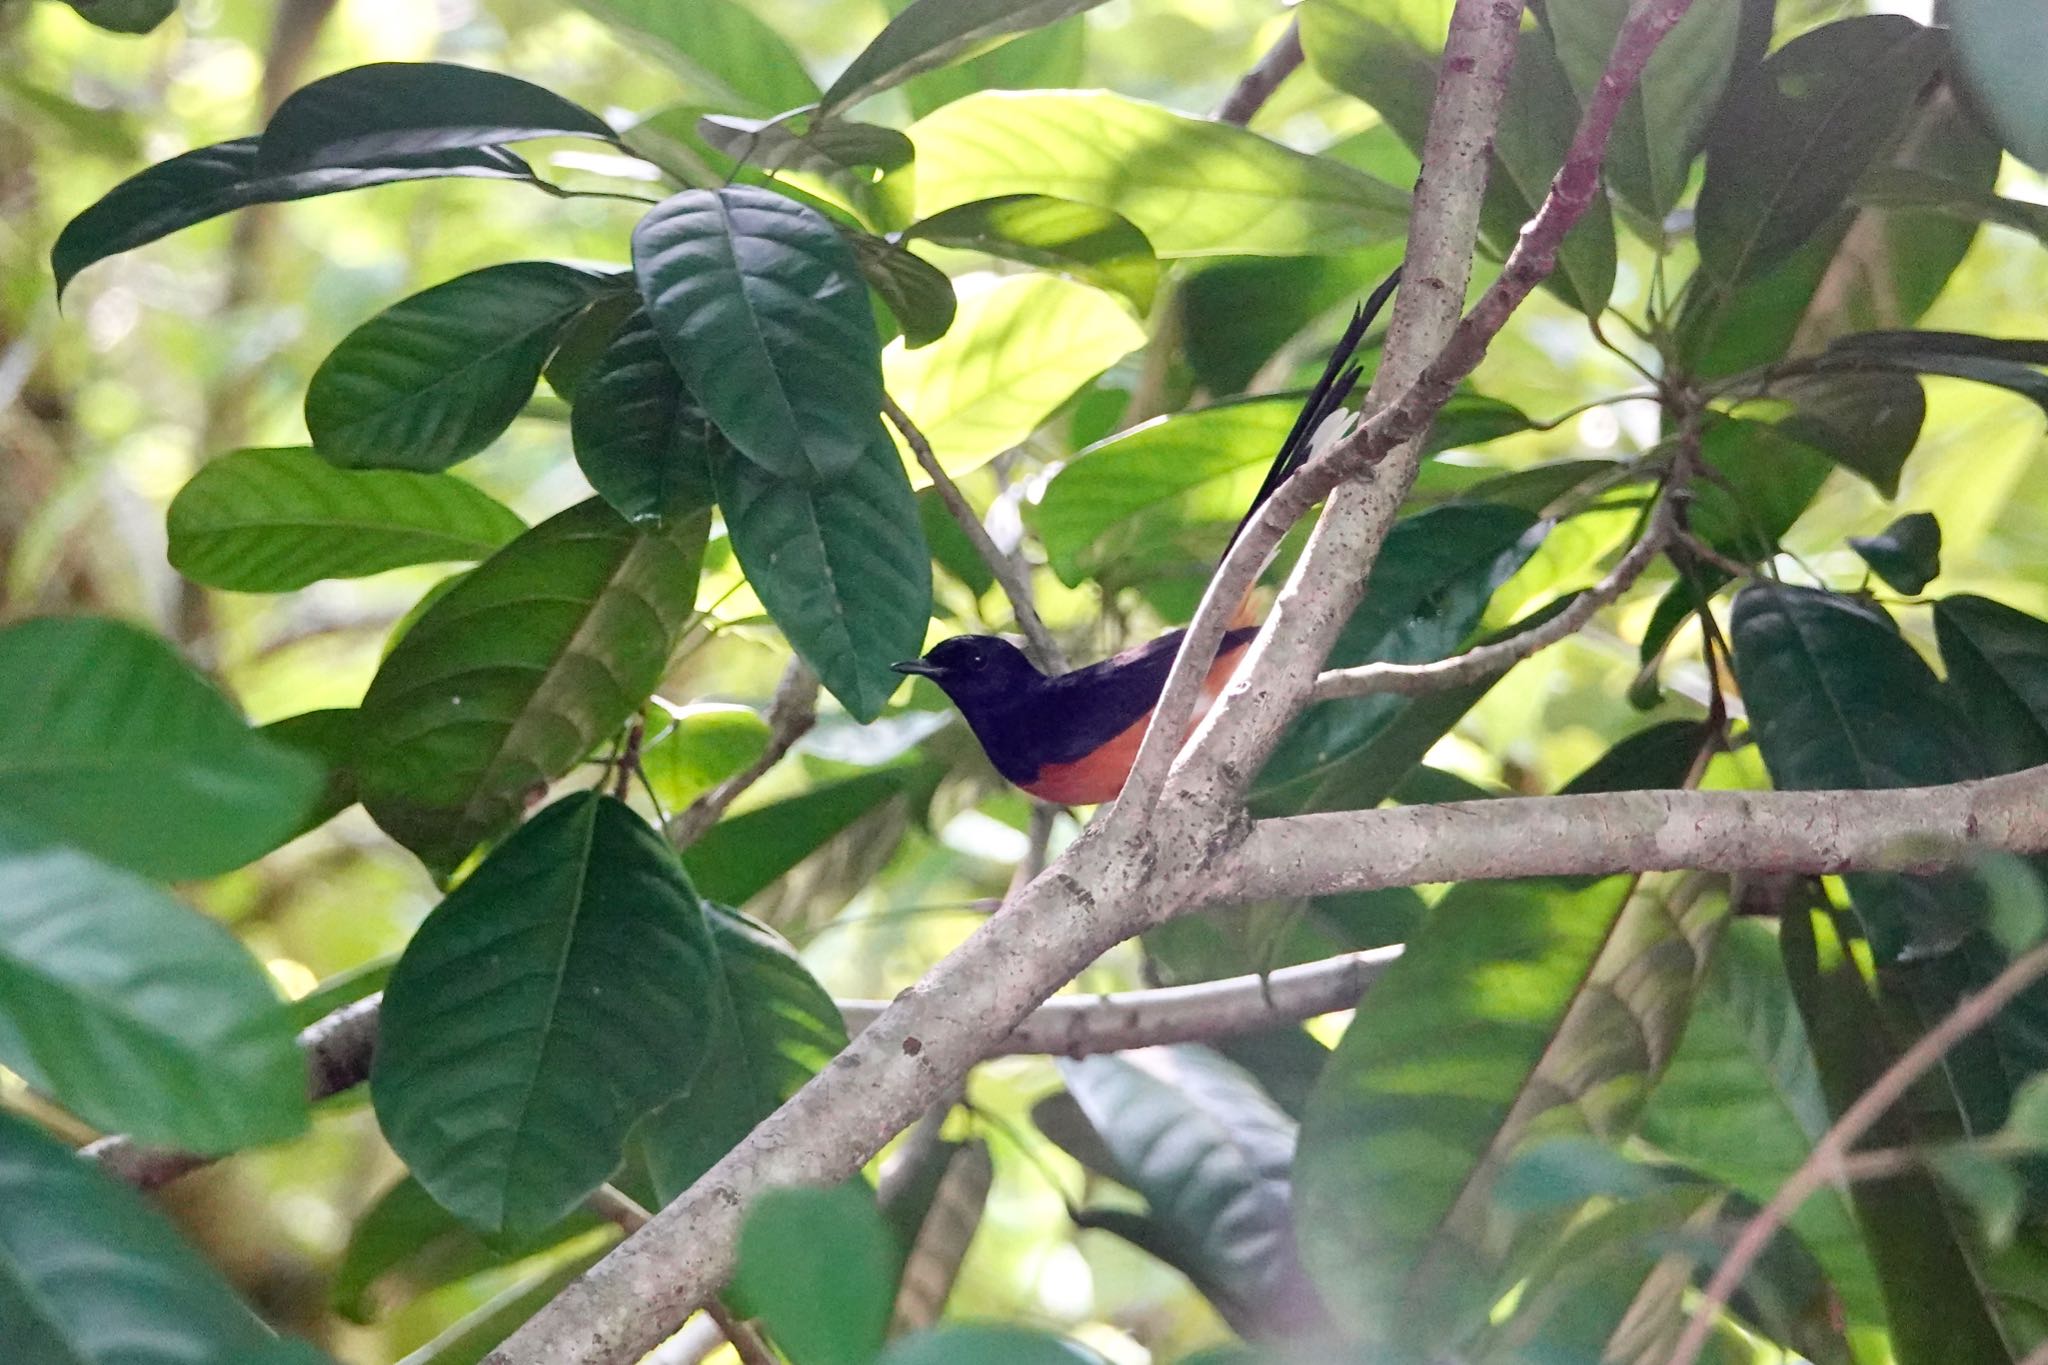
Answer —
91 1275
1757 481
839 563
640 438
1998 41
1997 661
951 549
328 737
1237 314
1905 554
114 744
367 114
1093 245
435 378
933 33
1192 186
124 16
818 1267
1647 760
918 294
1867 422
276 520
135 1013
984 1344
740 856
210 181
1897 187
586 338
760 303
555 997
518 671
2007 363
722 49
1783 161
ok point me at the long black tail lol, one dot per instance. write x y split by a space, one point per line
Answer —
1339 378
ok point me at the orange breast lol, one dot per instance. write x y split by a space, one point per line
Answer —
1099 776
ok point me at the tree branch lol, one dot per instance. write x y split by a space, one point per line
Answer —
791 713
1257 85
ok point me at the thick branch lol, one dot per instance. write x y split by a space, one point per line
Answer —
791 713
1257 85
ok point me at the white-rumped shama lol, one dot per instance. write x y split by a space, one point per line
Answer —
1072 739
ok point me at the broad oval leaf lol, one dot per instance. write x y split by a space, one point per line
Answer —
507 680
818 1266
275 520
721 48
932 33
1758 480
744 854
124 16
640 438
917 293
135 1013
1997 661
92 1275
114 744
209 181
1905 554
691 749
839 563
556 996
2000 42
760 303
366 114
435 378
1091 244
1018 350
1194 187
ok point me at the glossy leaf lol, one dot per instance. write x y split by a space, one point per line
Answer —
275 520
740 856
818 1267
1091 244
1238 314
917 293
839 563
640 438
760 304
209 181
135 1013
367 114
1997 44
114 744
933 33
722 49
1018 350
1906 554
92 1275
1997 661
1211 1153
1784 160
1193 187
575 954
514 674
435 378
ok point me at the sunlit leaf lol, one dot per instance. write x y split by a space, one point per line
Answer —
1093 245
691 749
473 1337
722 49
933 33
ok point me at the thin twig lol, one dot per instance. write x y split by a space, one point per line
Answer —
1825 1162
618 1208
1257 85
745 1341
1016 584
791 713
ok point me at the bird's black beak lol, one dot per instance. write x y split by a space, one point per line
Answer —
917 668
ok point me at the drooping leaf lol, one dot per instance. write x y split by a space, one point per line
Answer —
1049 58
1867 422
1997 43
368 114
508 679
1897 187
917 292
760 303
1997 661
722 49
209 181
1018 350
1211 1154
2006 363
1905 554
740 856
839 562
933 33
435 378
92 1275
640 438
114 744
1193 187
134 1012
278 519
1784 159
560 993
124 16
818 1267
1091 244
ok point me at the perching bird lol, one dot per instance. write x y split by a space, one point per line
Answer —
1072 739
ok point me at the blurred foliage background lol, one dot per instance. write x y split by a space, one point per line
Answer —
202 343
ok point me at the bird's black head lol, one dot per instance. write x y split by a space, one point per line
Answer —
972 668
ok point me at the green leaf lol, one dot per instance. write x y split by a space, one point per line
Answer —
328 737
1997 661
694 748
275 520
1868 422
367 114
934 33
1050 58
839 563
209 181
821 146
1987 1187
818 1267
555 997
435 378
1090 244
743 854
135 1013
986 1344
2008 364
1018 350
1193 187
473 1337
1759 480
92 1275
584 341
1785 158
1663 124
517 672
721 48
114 744
1236 315
760 303
124 16
1900 187
1211 1153
640 438
917 293
1905 554
1997 42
